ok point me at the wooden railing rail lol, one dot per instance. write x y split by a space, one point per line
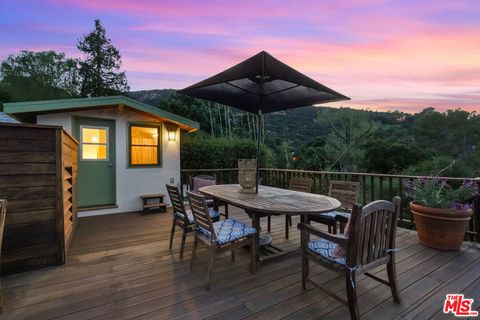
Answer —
373 186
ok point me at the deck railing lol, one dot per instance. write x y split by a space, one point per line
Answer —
372 187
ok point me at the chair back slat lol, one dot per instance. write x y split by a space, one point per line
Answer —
346 192
200 211
372 231
176 200
300 184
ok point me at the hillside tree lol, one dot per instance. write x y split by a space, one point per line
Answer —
44 75
100 71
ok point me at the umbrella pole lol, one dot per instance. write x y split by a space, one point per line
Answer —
259 138
259 124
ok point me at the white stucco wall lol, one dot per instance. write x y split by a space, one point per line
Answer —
130 182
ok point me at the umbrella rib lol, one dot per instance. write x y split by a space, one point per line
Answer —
240 88
285 89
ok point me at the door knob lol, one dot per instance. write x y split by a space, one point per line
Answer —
110 164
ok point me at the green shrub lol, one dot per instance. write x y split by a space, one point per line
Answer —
217 153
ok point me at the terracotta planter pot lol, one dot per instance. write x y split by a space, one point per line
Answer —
440 228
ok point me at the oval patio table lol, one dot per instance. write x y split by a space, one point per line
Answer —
269 201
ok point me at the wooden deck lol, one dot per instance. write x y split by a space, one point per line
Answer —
119 267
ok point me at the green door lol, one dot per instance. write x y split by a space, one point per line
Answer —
96 161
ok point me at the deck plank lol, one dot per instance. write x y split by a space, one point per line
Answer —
120 267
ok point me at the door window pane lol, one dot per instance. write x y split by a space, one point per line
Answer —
94 135
94 152
94 143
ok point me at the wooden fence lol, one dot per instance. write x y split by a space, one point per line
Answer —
372 187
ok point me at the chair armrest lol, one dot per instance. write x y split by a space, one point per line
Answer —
340 239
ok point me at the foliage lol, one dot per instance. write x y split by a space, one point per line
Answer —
211 153
215 119
348 129
383 156
44 75
435 192
100 70
353 140
312 156
4 97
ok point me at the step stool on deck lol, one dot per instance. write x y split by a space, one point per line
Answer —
153 202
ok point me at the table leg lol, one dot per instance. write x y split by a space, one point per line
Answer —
305 219
256 225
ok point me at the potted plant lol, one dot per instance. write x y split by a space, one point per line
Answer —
441 212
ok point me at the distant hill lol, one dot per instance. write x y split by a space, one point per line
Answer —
151 97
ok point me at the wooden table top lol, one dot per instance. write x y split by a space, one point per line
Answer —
272 200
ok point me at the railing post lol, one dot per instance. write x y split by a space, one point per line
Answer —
476 216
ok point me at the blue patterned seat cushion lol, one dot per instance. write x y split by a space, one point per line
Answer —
326 250
331 215
229 230
214 215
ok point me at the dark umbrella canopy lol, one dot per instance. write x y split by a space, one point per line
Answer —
282 87
262 84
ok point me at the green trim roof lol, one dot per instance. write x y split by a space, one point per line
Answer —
79 103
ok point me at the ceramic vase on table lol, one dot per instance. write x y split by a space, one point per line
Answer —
247 173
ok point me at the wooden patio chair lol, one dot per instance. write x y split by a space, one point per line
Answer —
182 217
347 193
3 213
219 237
370 243
207 180
296 184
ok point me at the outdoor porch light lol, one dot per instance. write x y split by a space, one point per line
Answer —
172 132
171 135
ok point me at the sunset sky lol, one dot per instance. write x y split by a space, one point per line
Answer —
385 55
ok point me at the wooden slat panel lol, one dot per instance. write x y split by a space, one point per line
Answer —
31 216
379 230
16 242
366 239
27 157
67 175
67 195
69 153
20 205
29 229
67 205
31 177
26 254
27 193
68 230
384 231
26 168
24 133
67 185
68 216
27 181
26 145
371 236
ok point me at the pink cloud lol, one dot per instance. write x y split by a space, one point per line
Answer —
383 53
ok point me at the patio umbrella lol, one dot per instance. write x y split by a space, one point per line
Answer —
262 84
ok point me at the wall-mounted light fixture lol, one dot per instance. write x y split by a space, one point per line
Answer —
171 131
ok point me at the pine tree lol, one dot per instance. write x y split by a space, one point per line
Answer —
100 70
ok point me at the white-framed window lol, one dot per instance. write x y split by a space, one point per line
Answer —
94 143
